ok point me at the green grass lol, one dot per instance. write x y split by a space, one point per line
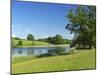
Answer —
84 59
22 59
29 43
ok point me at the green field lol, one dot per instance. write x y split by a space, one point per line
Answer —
84 59
29 43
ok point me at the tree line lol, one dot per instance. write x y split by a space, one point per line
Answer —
56 40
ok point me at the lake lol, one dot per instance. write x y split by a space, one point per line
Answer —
35 50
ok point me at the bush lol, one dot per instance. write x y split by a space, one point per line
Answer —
20 43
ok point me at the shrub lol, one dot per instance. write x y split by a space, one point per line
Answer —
20 43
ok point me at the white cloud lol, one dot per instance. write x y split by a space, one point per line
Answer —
13 35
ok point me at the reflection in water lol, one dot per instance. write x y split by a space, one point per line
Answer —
36 50
20 51
30 52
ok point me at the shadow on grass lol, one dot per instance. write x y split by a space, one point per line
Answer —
51 55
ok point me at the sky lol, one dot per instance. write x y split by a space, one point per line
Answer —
40 19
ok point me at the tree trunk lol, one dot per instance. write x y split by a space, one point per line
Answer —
90 46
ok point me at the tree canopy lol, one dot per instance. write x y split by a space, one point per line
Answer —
82 23
57 39
30 37
20 43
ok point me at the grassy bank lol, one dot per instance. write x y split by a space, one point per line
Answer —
30 43
27 43
84 59
43 46
22 59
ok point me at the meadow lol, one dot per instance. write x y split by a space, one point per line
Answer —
83 59
29 43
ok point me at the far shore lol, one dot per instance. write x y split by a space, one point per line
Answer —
44 46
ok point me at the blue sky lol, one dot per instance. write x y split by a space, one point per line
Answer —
40 19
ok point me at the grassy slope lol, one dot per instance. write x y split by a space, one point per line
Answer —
22 59
84 59
30 43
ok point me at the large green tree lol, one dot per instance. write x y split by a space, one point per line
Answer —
82 23
30 37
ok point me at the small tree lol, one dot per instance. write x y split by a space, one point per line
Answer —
58 39
20 43
30 37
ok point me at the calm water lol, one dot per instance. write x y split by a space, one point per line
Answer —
35 50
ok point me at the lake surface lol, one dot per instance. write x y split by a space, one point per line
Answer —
35 50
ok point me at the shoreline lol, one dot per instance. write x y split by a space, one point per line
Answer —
43 46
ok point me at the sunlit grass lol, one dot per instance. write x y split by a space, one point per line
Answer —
84 59
30 43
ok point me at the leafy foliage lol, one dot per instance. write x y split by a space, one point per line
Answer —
30 37
58 39
20 43
82 23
